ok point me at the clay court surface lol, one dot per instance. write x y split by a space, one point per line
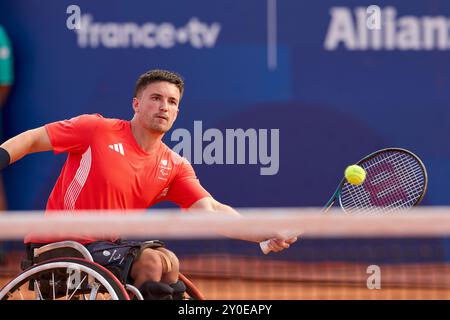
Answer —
231 277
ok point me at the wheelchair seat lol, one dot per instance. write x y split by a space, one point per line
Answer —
37 254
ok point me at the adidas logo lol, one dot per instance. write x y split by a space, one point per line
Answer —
117 147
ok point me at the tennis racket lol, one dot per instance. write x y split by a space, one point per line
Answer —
396 179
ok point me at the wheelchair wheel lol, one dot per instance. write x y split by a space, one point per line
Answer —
65 279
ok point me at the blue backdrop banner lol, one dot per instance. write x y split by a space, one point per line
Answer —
280 95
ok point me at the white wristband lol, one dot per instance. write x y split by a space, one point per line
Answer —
265 246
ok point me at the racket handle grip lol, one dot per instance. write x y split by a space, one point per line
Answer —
265 246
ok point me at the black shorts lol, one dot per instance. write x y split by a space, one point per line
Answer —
116 256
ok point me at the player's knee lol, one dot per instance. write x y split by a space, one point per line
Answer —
175 263
160 258
149 261
169 260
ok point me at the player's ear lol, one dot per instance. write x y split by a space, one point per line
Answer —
135 104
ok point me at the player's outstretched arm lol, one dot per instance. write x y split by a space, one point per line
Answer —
209 204
31 141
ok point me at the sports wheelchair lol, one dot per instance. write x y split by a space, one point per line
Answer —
65 270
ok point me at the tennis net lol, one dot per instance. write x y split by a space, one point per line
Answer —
337 256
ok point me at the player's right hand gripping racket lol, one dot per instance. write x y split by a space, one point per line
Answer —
396 179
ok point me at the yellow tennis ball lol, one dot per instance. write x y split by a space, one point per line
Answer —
355 174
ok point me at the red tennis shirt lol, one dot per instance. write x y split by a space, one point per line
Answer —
107 169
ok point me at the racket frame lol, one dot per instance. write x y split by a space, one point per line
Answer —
337 194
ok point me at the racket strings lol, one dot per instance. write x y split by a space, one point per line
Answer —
391 202
386 197
395 181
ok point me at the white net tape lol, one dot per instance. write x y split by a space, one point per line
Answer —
309 222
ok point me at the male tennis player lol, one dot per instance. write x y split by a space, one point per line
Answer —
117 164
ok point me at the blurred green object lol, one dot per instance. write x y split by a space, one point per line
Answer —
6 58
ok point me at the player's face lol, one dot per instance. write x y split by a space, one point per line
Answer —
157 106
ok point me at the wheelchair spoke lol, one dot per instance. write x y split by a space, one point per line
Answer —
78 286
10 294
53 285
21 295
38 290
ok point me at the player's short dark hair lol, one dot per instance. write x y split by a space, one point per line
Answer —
156 76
